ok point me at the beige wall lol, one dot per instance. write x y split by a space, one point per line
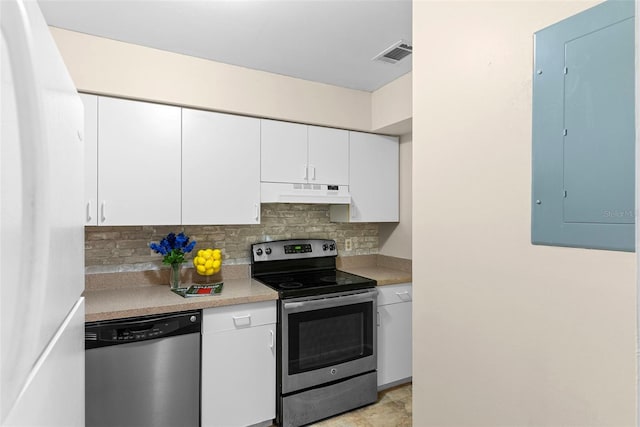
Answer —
395 238
391 107
109 67
505 333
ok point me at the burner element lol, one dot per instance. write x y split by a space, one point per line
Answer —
290 285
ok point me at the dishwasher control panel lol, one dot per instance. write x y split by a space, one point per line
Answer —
136 333
121 331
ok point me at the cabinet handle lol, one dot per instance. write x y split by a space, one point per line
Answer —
256 208
89 218
405 294
305 172
377 318
313 173
272 336
103 211
242 320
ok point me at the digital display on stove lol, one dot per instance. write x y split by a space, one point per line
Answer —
297 249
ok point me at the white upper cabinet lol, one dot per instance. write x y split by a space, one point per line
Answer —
152 164
374 180
328 156
90 158
220 168
296 153
283 152
139 163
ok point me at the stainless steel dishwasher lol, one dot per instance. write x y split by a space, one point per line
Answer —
144 371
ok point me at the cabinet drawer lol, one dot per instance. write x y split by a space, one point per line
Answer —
394 294
238 316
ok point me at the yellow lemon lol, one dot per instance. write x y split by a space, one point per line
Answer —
201 269
208 264
200 252
209 272
216 263
216 254
215 270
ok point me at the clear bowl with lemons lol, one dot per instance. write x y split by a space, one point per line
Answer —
208 262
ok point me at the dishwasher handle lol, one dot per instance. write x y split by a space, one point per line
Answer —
125 331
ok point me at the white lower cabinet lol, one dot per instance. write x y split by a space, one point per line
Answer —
394 334
239 364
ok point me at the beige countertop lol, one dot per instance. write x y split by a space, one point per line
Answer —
385 270
117 303
382 275
121 295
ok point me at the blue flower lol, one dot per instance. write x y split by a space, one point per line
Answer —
190 246
173 247
158 248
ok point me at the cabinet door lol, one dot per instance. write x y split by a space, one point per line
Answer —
374 180
238 376
584 130
139 163
328 156
394 334
283 152
90 103
220 168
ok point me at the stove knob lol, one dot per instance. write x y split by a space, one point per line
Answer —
332 246
267 251
258 251
325 247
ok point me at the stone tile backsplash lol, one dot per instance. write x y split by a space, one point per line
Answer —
126 248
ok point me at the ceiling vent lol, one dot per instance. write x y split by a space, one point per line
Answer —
395 52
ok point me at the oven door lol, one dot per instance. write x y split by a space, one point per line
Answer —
327 338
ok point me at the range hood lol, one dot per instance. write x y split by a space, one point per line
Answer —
277 192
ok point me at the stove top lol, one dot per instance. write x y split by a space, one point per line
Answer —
307 283
302 267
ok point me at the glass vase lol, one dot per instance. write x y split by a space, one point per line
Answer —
174 275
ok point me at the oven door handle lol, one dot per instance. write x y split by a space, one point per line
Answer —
369 296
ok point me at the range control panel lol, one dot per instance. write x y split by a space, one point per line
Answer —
293 249
297 249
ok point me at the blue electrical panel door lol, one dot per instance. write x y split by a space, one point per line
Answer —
583 188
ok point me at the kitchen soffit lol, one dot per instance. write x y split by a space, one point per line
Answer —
327 41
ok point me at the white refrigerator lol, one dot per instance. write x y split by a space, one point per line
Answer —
42 233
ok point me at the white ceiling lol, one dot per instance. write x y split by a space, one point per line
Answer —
328 41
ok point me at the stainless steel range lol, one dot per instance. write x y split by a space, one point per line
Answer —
326 346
